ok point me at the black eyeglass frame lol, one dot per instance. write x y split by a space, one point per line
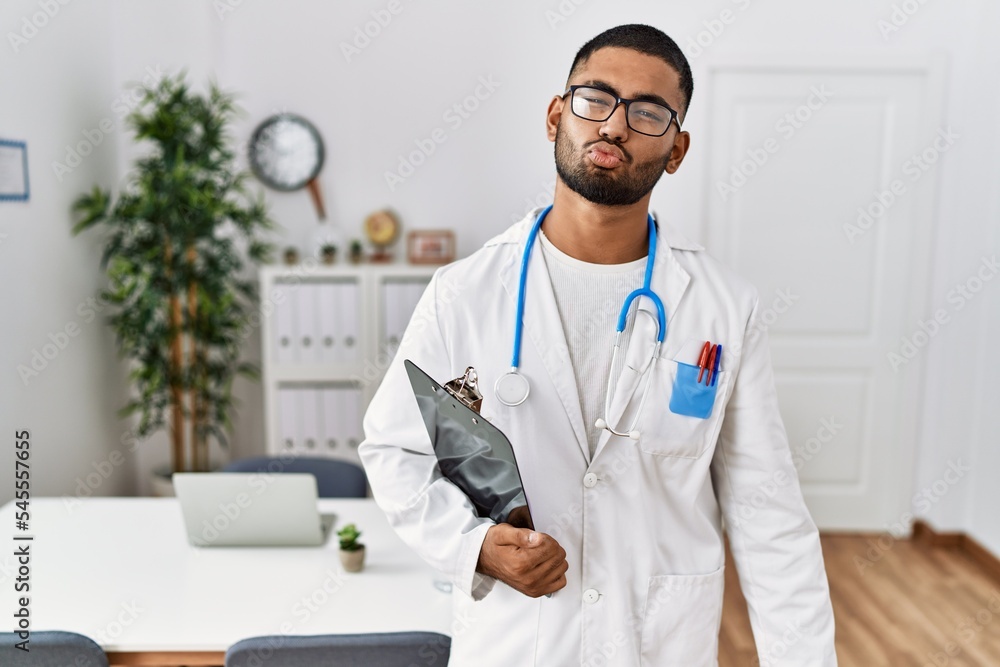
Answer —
674 118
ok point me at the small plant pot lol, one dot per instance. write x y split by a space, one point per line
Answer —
353 561
329 256
291 256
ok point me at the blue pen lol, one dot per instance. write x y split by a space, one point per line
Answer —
718 360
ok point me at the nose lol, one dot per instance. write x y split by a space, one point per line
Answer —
615 128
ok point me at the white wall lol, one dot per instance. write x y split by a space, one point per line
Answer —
54 88
430 56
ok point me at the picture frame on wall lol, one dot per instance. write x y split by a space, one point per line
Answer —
430 246
13 171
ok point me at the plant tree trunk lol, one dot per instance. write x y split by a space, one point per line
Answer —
198 454
176 361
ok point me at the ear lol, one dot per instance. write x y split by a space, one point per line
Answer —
681 144
553 115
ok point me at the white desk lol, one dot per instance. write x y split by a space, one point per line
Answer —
120 570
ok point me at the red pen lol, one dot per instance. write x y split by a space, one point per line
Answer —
711 363
703 359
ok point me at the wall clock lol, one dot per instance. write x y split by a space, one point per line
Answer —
286 153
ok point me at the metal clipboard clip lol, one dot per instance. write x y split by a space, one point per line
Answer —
466 389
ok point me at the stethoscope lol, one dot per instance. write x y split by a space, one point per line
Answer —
512 387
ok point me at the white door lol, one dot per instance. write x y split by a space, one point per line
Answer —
821 180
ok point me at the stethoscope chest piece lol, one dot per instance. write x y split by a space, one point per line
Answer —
511 388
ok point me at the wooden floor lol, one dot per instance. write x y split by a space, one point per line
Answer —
911 604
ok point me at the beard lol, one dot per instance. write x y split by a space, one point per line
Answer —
602 186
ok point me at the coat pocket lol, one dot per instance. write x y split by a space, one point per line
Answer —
683 417
681 619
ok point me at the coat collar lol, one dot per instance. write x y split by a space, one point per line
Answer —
669 281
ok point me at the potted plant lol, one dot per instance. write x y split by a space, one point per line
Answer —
352 552
180 306
329 252
356 251
291 255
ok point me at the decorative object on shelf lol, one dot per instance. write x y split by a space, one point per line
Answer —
178 302
14 170
382 229
352 552
430 246
357 252
329 253
291 255
286 153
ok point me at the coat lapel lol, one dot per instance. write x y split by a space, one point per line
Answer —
543 326
669 281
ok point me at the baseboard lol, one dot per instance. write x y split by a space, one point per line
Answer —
924 533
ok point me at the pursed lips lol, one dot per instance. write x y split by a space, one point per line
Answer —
605 155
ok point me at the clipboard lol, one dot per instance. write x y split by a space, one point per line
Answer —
471 452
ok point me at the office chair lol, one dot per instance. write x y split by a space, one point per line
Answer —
334 479
52 648
389 649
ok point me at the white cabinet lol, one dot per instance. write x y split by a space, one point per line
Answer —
328 335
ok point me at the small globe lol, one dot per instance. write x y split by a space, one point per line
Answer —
382 227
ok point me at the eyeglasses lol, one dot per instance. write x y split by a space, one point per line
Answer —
642 116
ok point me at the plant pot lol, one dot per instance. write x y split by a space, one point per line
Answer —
353 561
291 256
329 256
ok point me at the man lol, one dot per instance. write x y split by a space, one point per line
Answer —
628 529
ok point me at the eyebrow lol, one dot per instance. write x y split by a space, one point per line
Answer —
644 97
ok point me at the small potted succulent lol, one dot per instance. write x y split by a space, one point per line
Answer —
291 255
356 251
352 552
329 252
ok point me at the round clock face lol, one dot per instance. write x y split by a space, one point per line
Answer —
286 152
381 227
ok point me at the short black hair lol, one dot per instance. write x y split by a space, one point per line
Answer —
644 39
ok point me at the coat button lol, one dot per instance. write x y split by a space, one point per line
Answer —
590 480
590 596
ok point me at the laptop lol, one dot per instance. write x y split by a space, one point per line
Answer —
234 509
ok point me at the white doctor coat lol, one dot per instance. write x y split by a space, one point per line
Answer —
642 521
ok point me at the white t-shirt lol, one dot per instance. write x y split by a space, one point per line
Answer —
589 298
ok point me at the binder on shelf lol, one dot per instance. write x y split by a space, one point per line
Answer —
307 324
333 442
353 418
288 419
392 303
350 313
309 418
328 307
283 343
